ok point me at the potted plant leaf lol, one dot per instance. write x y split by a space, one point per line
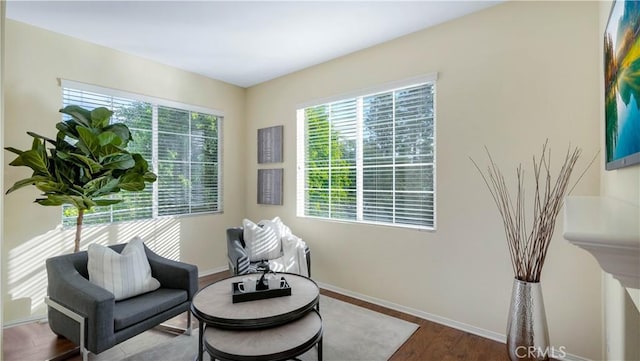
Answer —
85 166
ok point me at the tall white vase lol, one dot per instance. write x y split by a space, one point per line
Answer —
527 331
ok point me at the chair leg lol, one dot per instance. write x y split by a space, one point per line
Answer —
81 322
176 329
189 329
85 354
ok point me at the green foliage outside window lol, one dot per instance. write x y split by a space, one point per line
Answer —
329 149
371 158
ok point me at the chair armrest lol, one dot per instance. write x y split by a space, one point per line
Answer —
236 253
70 289
173 274
238 258
236 234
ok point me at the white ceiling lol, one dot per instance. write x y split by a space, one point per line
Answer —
242 43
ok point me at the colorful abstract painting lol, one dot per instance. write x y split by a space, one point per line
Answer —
622 84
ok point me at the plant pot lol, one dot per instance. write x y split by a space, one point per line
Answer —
527 332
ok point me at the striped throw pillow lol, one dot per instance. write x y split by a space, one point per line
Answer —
263 242
125 274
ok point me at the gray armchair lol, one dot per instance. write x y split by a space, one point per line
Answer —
238 257
90 317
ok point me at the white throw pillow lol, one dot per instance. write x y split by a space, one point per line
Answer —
283 230
262 242
125 274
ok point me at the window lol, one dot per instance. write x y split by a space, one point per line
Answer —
370 158
180 142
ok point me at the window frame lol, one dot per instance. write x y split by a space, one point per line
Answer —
155 102
361 94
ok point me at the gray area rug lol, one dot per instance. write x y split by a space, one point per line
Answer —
351 333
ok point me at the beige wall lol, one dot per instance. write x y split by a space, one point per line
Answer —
35 58
622 318
509 77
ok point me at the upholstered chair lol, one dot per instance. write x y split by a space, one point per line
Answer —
240 263
89 315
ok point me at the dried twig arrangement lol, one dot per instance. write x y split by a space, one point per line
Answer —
528 250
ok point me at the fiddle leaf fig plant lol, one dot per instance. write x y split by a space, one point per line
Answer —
85 166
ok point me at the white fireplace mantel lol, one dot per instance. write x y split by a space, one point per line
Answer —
610 230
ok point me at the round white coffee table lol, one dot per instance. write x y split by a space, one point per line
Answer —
214 308
284 342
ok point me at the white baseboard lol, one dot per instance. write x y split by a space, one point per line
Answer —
438 319
22 321
209 272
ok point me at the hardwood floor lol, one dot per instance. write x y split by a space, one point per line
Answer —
435 342
431 341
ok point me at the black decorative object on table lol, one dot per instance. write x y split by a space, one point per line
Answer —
262 287
263 267
262 284
259 294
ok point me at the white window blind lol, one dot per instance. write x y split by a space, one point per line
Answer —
370 158
180 144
